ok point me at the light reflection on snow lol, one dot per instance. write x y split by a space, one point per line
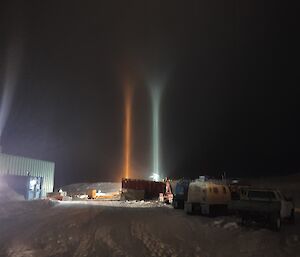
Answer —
123 204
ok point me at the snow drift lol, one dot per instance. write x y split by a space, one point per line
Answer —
82 188
8 194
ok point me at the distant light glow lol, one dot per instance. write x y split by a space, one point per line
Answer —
155 177
156 97
127 131
13 58
33 182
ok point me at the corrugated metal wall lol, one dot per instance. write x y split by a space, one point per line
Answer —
17 165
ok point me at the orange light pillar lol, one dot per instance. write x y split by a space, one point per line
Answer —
127 131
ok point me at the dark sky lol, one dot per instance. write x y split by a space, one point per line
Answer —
230 72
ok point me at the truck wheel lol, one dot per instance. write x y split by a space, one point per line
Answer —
175 204
292 217
205 209
188 208
181 205
276 222
244 221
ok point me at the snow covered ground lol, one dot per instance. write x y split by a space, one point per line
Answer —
114 228
82 188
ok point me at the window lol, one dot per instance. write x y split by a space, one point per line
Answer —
261 194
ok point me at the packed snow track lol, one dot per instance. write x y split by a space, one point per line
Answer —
107 228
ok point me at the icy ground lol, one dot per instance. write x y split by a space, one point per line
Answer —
113 228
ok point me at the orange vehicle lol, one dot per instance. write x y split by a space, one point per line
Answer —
93 194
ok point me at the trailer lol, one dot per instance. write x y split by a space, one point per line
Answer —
141 189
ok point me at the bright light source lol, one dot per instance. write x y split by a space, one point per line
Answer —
155 177
32 183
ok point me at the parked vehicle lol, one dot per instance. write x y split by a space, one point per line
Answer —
60 195
180 193
97 194
132 188
207 197
235 186
265 206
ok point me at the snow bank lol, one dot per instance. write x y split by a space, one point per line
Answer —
82 188
122 204
231 225
7 194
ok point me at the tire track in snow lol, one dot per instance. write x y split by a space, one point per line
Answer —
155 246
104 235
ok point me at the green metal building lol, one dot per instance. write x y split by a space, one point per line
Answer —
21 166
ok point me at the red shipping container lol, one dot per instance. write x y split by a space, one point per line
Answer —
152 188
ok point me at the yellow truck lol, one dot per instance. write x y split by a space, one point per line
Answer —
207 198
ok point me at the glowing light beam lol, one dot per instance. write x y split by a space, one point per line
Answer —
127 131
13 59
156 98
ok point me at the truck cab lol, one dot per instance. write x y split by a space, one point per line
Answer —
180 193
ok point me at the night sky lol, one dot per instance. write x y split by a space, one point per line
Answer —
229 69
